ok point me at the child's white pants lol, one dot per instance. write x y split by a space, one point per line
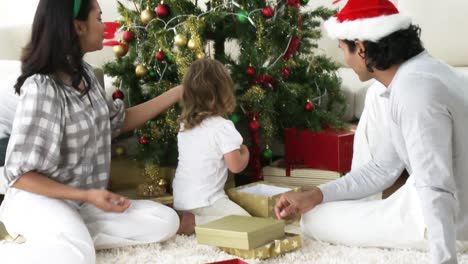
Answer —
58 231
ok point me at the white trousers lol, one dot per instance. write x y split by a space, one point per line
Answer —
221 208
396 222
58 231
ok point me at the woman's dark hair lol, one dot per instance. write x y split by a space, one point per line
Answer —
54 45
393 49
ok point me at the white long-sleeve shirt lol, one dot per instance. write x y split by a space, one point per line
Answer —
428 121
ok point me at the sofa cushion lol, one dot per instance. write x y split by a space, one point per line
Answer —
3 148
9 72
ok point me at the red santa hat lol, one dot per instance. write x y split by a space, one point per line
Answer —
368 20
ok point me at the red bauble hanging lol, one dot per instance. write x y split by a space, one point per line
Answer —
309 106
254 125
117 94
285 72
250 71
294 3
268 12
128 36
160 55
162 10
144 140
266 81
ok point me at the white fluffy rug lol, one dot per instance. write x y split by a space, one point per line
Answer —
183 249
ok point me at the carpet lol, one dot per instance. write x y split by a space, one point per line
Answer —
185 250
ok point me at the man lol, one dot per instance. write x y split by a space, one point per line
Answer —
428 124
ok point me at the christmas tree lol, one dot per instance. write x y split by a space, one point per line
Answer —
279 81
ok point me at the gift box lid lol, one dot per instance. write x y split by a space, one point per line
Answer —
243 232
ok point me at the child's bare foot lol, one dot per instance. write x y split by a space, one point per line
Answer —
187 224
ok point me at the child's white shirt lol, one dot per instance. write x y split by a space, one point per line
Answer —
201 172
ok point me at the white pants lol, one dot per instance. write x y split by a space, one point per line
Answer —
58 231
221 208
396 222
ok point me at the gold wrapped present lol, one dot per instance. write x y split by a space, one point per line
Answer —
240 232
259 198
275 248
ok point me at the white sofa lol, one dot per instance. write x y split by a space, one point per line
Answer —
442 23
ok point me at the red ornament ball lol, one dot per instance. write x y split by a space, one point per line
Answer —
117 94
250 71
144 140
286 71
162 10
309 106
128 36
268 12
160 55
254 125
294 3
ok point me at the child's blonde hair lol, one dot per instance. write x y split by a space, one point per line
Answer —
208 91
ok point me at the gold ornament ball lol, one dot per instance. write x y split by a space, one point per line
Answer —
141 71
146 16
180 40
119 51
200 55
120 151
192 44
162 182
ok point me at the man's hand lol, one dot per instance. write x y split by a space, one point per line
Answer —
107 201
293 203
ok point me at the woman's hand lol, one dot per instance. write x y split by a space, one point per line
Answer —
107 201
293 203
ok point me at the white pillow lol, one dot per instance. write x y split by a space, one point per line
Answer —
9 72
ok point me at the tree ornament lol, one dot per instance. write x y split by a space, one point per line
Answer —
180 40
304 2
235 118
292 48
242 16
146 16
162 10
119 151
128 36
254 125
141 71
117 94
144 140
162 182
293 3
169 57
120 50
268 12
192 44
200 55
153 74
285 72
160 56
250 71
267 153
309 106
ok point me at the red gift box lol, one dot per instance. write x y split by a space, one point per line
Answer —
230 261
329 149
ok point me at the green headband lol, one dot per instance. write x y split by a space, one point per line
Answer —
76 8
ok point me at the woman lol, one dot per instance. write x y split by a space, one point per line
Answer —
58 158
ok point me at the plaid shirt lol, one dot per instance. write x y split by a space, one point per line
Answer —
62 134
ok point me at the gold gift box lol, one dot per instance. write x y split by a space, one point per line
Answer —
275 248
240 232
259 198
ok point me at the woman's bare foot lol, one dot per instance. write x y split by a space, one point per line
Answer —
187 224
